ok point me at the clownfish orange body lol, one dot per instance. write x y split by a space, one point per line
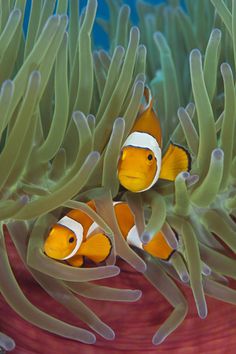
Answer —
77 236
141 163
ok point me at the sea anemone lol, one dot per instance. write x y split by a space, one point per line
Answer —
65 111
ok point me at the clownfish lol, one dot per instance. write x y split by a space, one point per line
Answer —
141 164
77 236
74 237
157 247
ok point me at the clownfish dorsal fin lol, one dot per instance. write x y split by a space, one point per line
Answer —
149 99
176 159
81 216
148 122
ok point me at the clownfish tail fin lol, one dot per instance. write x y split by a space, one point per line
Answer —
187 154
158 247
97 248
176 159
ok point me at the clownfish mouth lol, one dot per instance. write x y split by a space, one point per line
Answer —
124 174
130 177
133 182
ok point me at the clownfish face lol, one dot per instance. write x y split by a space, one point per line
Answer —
60 242
136 168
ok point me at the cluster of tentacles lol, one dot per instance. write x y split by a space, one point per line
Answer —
65 111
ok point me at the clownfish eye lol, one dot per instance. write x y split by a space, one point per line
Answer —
150 157
71 239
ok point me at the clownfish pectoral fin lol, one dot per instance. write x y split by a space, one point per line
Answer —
76 261
158 247
176 159
97 248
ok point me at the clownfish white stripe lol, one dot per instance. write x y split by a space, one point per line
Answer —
77 229
147 141
93 227
133 238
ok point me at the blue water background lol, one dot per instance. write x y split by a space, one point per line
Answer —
100 37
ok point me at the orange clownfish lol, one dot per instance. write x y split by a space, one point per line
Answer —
141 163
76 236
157 247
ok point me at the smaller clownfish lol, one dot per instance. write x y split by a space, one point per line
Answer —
141 164
74 237
77 236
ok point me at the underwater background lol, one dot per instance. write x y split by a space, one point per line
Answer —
100 36
133 323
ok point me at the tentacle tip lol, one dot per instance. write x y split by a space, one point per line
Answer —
77 116
195 53
119 121
207 272
91 339
141 77
64 18
142 47
216 32
185 278
185 175
91 118
191 105
193 179
120 49
126 7
145 238
224 67
16 13
181 112
202 312
8 83
139 85
141 266
110 334
137 294
35 75
95 3
158 34
53 19
218 154
95 155
157 339
91 4
135 31
10 345
114 270
24 199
